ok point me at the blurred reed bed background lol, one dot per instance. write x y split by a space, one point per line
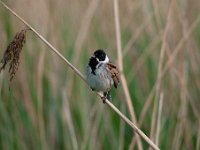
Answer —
47 106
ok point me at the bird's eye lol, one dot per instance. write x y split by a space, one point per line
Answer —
101 57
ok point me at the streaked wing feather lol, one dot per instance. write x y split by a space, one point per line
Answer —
114 74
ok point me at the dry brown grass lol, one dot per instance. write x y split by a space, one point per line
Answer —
50 107
41 125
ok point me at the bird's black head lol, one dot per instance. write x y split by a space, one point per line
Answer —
100 55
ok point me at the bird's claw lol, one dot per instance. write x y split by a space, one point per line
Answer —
103 99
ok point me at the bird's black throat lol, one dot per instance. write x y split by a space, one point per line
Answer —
93 63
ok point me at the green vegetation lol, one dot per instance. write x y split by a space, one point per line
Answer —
47 106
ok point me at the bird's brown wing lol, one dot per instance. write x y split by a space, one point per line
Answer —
114 74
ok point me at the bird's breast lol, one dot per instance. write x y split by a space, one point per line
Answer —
101 80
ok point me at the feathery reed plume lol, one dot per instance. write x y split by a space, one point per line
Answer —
12 53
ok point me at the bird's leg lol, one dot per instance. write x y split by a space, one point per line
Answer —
105 96
103 99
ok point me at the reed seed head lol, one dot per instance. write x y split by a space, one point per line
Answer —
12 53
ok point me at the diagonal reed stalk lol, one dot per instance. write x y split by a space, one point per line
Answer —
77 72
122 76
166 67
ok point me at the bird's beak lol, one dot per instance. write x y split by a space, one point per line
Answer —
95 58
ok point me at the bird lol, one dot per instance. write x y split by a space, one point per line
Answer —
101 74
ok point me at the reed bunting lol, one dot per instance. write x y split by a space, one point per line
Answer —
101 75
